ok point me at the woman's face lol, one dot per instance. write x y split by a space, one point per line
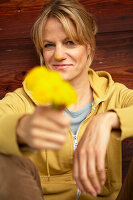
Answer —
61 54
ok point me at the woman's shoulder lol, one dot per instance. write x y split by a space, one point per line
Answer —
19 98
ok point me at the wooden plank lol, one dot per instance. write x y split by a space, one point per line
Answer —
17 17
17 56
115 54
127 155
111 15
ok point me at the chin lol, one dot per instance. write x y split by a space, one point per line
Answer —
64 76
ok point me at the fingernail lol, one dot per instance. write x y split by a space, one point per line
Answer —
94 194
98 191
102 182
84 193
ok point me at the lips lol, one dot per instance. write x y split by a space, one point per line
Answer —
62 66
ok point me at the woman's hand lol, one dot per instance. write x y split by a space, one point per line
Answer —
46 128
89 157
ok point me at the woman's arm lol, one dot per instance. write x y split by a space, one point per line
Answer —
89 157
23 123
45 129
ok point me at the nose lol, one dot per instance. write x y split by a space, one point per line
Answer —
59 53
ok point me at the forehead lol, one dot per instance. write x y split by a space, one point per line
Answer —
53 27
51 24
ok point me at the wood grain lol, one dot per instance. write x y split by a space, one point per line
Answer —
17 17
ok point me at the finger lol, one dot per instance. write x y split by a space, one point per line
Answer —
57 116
100 160
46 135
45 145
75 172
49 126
61 119
91 170
83 173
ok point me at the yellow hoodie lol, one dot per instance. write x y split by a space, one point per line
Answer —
55 167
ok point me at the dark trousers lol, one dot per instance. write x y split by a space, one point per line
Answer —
126 192
19 180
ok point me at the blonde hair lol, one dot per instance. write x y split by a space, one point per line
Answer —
67 11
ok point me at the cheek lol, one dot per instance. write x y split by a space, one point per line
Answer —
82 57
47 56
81 54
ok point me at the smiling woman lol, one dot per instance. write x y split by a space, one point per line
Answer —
62 54
77 150
81 30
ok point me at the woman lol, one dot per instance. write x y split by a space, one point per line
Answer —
78 163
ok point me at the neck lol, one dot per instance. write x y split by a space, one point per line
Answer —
84 93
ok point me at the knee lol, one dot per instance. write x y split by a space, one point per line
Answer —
7 173
6 167
18 174
12 171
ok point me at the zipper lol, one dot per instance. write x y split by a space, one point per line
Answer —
76 144
75 136
75 141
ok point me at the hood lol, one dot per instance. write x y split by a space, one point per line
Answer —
101 83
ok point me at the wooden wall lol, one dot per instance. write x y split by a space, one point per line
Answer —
114 44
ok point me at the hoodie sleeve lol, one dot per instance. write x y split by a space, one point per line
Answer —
125 112
12 107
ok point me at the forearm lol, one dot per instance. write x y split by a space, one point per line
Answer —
89 156
20 129
113 119
8 141
126 122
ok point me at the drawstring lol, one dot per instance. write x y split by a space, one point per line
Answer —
47 165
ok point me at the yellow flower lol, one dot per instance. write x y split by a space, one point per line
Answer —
47 87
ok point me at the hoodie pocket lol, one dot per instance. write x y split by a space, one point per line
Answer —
59 186
106 188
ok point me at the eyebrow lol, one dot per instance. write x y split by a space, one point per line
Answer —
65 39
47 41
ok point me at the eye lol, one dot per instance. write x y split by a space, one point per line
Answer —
69 42
48 45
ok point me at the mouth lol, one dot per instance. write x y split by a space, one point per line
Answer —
62 66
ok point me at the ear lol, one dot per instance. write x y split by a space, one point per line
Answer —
89 60
88 49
